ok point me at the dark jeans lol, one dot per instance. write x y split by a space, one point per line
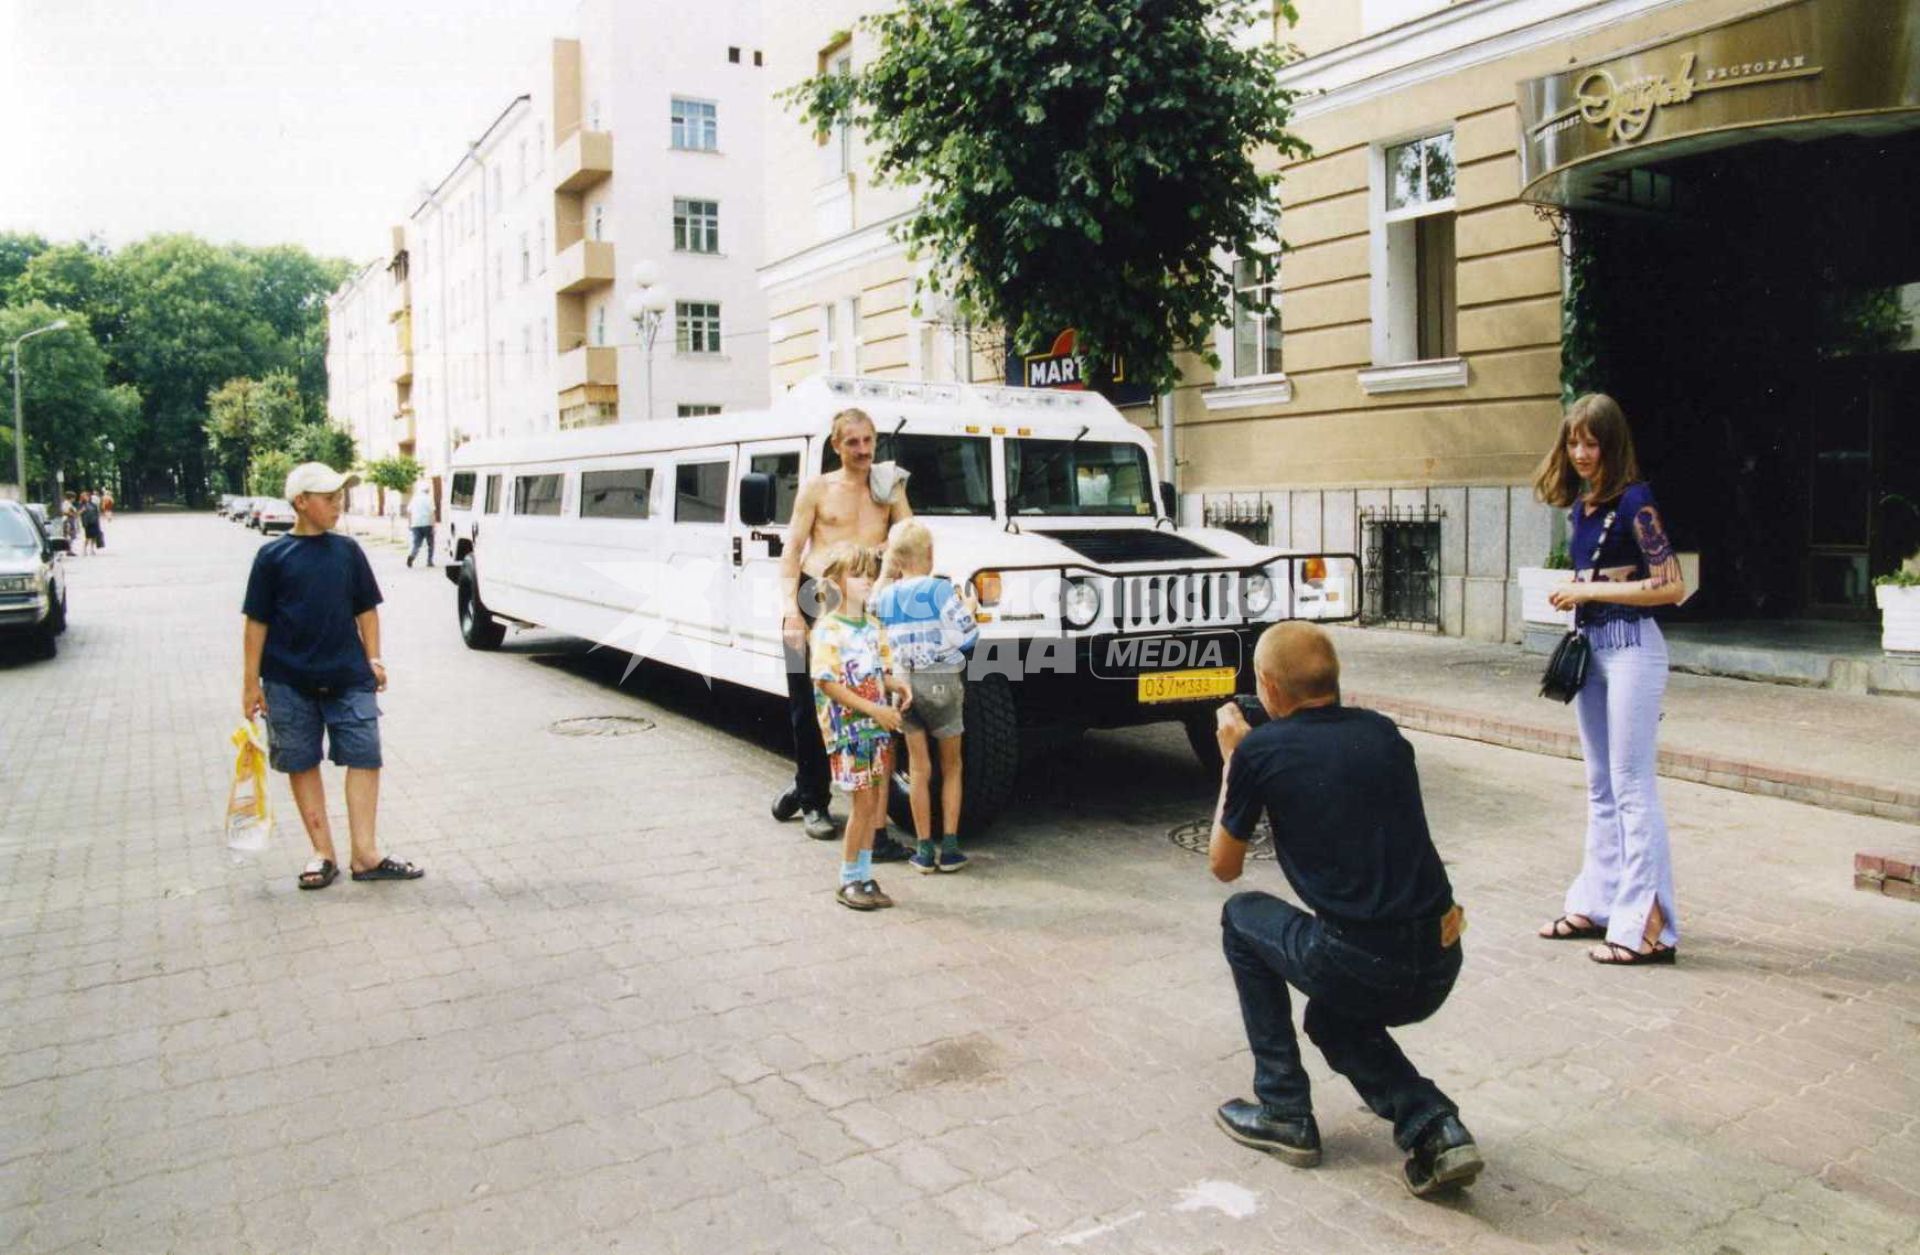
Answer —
1356 987
422 536
812 783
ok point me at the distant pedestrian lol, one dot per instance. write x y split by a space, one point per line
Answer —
1624 567
312 665
420 517
106 504
90 524
930 628
854 684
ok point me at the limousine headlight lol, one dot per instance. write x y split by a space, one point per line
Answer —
1079 603
1256 593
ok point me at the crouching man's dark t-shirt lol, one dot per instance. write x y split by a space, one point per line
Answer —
1341 789
308 590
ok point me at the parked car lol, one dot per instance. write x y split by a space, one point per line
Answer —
49 526
224 507
33 580
272 515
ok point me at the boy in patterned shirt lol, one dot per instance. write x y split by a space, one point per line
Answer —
853 675
931 628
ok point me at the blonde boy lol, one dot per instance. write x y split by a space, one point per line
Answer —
853 675
930 627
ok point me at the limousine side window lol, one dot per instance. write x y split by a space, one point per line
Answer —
621 494
493 494
700 493
461 498
536 494
785 469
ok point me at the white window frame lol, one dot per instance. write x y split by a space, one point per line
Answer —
707 333
684 126
689 226
1397 366
840 139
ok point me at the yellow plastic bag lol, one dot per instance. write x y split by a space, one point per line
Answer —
249 817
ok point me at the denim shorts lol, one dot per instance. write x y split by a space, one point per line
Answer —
939 698
350 719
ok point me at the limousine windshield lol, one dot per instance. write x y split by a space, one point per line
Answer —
1077 477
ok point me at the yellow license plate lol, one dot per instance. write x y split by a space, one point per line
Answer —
1186 686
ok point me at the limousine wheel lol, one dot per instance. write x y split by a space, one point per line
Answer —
1202 736
478 629
990 751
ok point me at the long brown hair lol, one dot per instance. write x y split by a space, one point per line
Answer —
1597 415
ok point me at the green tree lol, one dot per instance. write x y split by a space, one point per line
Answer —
324 442
267 476
16 250
1084 163
80 277
72 413
396 474
247 417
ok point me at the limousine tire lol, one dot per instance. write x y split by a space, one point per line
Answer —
990 752
1202 736
478 629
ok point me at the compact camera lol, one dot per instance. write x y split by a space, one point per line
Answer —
1250 707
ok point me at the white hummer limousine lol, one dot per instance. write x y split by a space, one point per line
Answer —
664 539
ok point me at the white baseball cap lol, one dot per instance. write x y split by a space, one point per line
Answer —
317 477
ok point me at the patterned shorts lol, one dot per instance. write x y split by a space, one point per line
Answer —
861 766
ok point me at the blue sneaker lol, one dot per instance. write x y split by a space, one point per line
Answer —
952 860
923 861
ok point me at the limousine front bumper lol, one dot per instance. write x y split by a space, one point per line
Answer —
1116 681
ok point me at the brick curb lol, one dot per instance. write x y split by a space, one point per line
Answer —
1861 797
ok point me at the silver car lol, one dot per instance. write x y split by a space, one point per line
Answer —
33 581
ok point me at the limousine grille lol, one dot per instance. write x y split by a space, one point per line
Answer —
1185 599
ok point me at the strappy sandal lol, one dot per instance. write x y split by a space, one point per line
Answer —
1626 956
1564 929
318 874
391 869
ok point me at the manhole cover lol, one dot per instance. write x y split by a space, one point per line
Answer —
601 725
1198 835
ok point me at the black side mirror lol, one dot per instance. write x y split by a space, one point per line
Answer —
1169 501
756 499
58 544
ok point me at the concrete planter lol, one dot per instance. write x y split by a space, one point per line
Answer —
1535 583
1899 618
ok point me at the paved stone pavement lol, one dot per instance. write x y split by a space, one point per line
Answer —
623 1013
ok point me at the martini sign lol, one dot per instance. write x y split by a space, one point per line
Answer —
1059 367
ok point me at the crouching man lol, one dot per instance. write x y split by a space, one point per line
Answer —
1382 946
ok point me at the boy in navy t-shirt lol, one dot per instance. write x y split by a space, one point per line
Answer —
931 628
312 666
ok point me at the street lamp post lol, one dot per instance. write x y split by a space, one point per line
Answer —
19 423
648 305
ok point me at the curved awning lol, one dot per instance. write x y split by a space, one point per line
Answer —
1805 70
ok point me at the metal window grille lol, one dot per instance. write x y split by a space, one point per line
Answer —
1402 565
1251 519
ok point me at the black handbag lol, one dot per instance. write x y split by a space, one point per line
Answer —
1567 668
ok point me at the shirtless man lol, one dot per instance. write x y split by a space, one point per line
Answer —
836 506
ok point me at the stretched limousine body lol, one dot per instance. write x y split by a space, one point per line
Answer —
664 539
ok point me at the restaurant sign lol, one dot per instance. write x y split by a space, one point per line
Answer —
1831 64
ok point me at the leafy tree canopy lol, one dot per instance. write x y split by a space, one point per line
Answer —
72 412
267 477
16 250
1083 163
397 474
323 442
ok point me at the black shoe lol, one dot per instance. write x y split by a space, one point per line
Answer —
887 850
409 559
1295 1139
786 806
1444 1158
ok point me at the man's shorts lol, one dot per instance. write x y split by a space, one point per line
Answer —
350 719
938 699
861 766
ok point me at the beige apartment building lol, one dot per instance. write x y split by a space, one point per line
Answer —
1719 180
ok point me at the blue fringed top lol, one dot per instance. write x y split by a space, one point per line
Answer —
1635 548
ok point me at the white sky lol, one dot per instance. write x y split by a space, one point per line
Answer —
312 122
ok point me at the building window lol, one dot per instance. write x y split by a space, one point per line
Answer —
840 336
696 327
1417 230
600 222
733 56
756 57
600 324
839 141
1256 325
696 125
694 411
696 226
621 494
526 259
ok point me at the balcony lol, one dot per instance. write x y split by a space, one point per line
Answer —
403 369
582 266
583 159
586 368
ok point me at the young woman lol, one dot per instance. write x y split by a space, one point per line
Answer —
1624 567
